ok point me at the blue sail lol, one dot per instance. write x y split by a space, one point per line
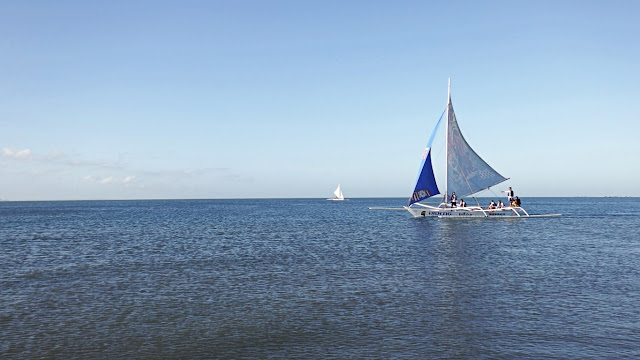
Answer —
426 183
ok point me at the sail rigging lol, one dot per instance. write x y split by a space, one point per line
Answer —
466 172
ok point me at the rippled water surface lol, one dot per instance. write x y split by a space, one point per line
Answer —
311 278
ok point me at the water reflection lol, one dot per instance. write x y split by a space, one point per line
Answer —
461 280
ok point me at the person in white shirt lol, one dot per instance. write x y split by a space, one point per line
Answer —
509 194
492 205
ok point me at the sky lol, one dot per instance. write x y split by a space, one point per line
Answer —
286 99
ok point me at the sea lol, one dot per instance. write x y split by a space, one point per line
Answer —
317 279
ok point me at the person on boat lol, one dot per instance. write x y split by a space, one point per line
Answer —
462 203
509 194
492 205
500 204
516 201
454 199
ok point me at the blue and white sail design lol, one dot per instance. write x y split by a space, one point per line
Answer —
467 173
426 183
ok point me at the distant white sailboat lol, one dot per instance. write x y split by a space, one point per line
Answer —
338 194
466 174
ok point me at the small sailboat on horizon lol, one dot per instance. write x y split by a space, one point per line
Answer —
338 196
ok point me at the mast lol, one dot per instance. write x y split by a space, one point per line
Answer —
446 143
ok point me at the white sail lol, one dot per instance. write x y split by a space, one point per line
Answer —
337 194
467 173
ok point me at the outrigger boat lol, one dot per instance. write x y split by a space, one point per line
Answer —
466 174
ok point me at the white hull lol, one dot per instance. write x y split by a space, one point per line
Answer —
420 210
335 199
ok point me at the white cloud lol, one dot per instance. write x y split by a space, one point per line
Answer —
104 178
109 179
16 154
93 163
90 178
58 158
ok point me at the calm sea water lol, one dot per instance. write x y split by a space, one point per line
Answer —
317 279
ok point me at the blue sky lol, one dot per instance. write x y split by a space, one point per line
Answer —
252 99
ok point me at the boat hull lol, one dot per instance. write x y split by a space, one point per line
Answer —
466 212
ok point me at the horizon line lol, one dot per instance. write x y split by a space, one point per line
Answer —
295 198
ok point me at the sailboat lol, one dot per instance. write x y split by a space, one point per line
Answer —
466 174
338 195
